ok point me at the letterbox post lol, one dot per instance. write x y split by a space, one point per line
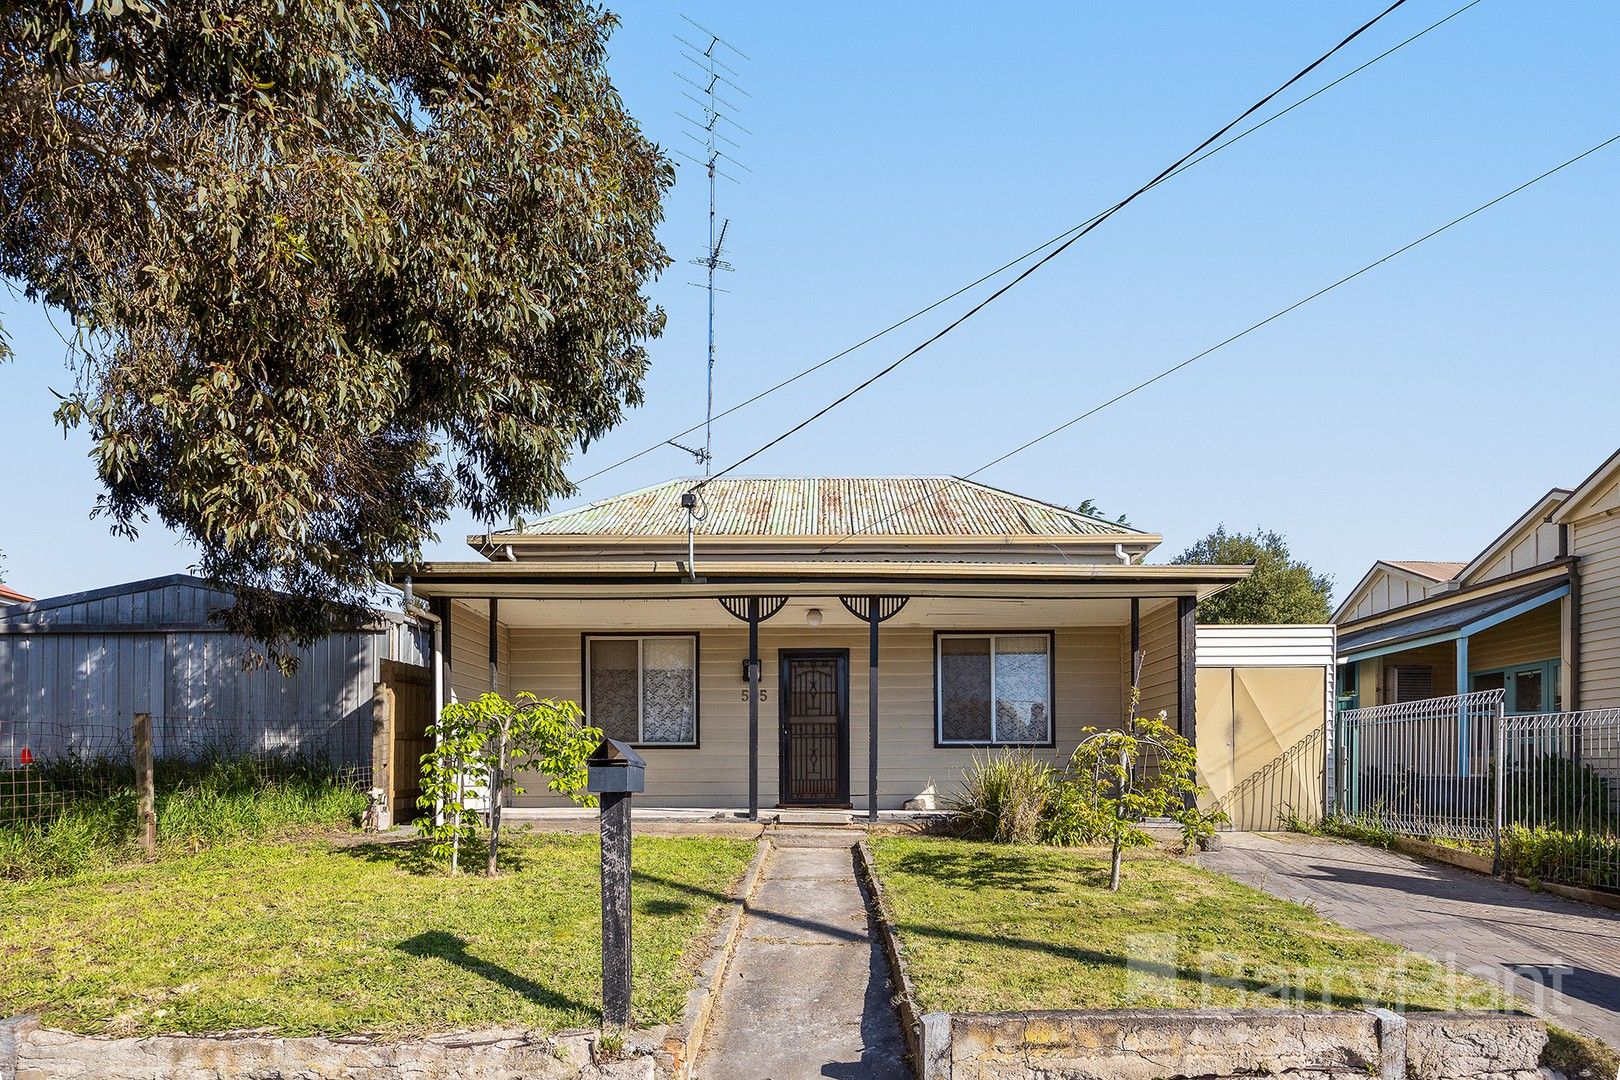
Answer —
615 772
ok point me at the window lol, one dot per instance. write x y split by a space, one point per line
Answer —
994 689
1531 688
1408 684
1349 689
643 690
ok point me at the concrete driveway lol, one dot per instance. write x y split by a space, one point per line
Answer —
1562 957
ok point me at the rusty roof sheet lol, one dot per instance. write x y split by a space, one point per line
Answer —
826 506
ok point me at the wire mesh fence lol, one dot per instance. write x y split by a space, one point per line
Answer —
1422 767
1542 789
48 768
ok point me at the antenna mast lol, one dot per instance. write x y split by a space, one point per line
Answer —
712 75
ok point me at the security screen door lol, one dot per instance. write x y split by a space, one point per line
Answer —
814 710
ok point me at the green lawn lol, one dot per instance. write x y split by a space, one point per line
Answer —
310 937
986 927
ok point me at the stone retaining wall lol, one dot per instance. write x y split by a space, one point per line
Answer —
1184 1044
31 1052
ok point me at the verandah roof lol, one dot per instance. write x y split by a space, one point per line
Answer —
670 579
1450 622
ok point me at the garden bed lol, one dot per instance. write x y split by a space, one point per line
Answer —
317 937
989 928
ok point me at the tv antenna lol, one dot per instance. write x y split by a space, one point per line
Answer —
712 129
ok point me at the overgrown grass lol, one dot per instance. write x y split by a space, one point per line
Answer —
1579 1057
1542 854
992 927
198 804
313 937
1005 797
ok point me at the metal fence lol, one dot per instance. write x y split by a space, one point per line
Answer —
1542 790
94 760
1289 786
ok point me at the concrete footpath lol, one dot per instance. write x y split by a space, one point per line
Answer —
1562 957
807 993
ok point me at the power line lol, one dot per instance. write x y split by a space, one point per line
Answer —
1048 257
1296 305
1008 265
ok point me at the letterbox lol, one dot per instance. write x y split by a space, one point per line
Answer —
615 768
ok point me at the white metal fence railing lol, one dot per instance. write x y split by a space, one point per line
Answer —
1542 789
1421 767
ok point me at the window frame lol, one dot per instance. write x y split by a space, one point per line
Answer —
1550 671
588 636
941 743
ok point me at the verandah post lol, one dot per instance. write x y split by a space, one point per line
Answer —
872 620
145 787
753 708
1500 770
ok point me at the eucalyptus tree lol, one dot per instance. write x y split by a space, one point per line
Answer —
331 269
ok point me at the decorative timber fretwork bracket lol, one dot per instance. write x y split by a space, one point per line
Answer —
737 606
861 606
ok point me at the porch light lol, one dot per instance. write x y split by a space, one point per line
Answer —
813 617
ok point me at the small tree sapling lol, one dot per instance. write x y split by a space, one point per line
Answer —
491 738
1141 771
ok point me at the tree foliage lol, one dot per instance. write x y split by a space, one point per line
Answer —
1282 589
331 268
479 747
1118 778
1090 508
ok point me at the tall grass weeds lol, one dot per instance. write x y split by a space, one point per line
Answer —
199 804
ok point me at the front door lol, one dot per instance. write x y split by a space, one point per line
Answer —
813 703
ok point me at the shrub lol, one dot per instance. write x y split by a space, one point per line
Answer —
1555 791
1141 771
1004 797
1575 857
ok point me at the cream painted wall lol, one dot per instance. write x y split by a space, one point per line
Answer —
1089 676
1595 538
1386 589
1161 673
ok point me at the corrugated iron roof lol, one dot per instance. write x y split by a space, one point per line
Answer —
1446 620
826 506
1434 571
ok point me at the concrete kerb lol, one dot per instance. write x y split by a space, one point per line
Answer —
911 1018
684 1043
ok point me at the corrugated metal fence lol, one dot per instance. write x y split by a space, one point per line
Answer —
75 670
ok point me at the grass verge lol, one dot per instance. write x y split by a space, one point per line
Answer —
987 927
310 937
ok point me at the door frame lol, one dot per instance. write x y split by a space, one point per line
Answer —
785 658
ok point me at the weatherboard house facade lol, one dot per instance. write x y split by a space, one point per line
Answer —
744 640
1535 614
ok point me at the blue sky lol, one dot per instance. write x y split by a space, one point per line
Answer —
901 150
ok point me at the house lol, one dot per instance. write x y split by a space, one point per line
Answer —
12 596
75 669
743 639
1536 613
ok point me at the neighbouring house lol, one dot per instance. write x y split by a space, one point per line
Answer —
11 596
1536 613
74 670
744 642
